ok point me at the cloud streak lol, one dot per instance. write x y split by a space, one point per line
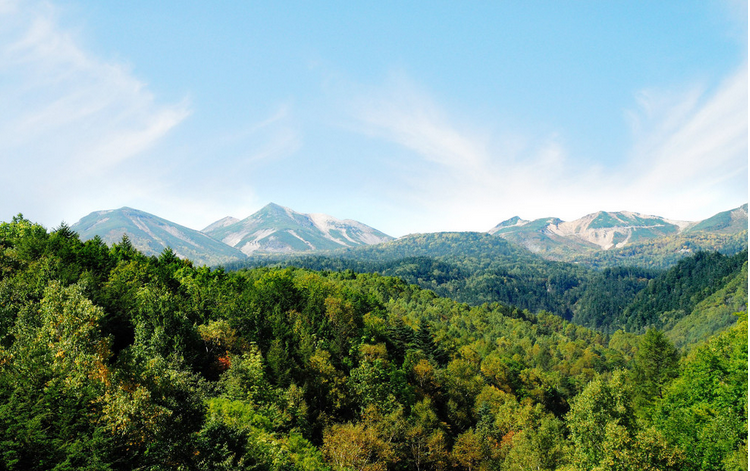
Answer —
68 115
692 147
689 150
462 176
402 114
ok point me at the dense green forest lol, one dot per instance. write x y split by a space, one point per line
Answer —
113 360
479 268
470 267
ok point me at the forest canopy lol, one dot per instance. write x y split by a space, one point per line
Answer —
110 359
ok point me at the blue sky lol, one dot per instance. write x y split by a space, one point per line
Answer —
407 116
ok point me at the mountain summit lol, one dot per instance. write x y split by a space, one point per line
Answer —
151 234
603 230
277 229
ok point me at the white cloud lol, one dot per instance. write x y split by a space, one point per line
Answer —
688 158
68 116
690 150
462 176
401 113
271 138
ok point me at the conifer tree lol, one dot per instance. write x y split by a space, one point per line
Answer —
656 365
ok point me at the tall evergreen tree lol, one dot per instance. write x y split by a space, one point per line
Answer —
656 365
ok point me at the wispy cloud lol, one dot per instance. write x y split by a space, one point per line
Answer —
689 151
273 137
400 112
216 171
67 114
691 148
468 173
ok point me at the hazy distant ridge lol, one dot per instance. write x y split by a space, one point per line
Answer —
604 230
279 230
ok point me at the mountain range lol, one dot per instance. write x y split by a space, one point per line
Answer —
598 239
273 229
151 235
555 239
276 229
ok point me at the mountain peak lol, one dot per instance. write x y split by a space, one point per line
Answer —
516 224
273 207
276 228
512 222
151 235
605 230
731 221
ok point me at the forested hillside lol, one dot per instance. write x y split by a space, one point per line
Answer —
113 360
713 314
478 268
664 253
469 267
671 296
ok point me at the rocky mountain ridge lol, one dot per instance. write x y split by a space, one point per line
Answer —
277 229
280 230
151 235
273 229
603 230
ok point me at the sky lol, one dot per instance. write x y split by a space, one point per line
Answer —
410 117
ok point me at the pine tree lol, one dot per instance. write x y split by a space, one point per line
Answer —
656 365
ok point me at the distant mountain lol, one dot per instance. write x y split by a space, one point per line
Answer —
539 237
726 222
276 229
224 222
151 235
664 252
602 230
586 238
599 240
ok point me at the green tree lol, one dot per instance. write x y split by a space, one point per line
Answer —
704 411
356 446
602 413
606 436
51 379
426 438
656 365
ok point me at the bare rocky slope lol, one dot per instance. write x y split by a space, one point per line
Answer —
556 239
276 229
